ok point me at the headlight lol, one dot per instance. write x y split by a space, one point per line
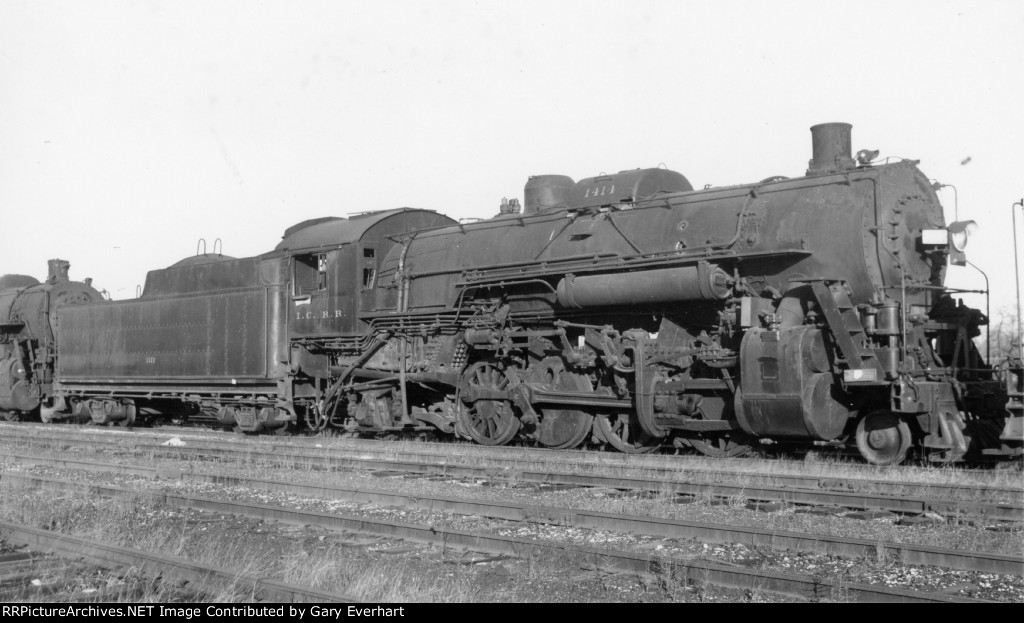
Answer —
960 232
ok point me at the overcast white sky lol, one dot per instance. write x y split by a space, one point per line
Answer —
128 130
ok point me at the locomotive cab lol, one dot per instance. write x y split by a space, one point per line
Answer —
335 265
330 287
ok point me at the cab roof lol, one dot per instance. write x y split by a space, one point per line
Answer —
333 231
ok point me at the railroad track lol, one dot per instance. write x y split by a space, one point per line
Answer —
33 575
796 585
654 472
817 491
203 580
578 518
514 459
665 461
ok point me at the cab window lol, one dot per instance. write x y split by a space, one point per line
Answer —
310 273
369 268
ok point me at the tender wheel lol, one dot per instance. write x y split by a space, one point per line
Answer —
622 432
561 428
488 422
723 445
883 438
129 418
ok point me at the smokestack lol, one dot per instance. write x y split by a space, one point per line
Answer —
831 148
58 271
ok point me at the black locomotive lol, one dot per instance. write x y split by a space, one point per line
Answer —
29 322
629 310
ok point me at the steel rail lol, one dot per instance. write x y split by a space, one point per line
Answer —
663 462
846 499
802 481
797 585
964 560
616 460
164 566
19 569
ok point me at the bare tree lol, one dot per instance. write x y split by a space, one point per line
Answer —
1004 335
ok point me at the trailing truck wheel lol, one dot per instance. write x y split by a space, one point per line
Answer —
723 445
883 438
622 432
488 422
284 429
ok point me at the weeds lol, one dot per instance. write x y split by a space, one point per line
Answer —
143 522
337 569
881 553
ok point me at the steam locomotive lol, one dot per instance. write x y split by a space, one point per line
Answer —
28 337
626 310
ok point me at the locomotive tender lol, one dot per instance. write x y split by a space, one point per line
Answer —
236 342
629 310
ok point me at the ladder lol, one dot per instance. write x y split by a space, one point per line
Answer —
844 321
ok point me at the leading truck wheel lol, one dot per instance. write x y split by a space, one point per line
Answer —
883 438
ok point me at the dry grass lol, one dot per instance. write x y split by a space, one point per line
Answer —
70 582
134 521
381 579
140 522
960 533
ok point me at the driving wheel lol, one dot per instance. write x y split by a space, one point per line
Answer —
560 428
488 422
